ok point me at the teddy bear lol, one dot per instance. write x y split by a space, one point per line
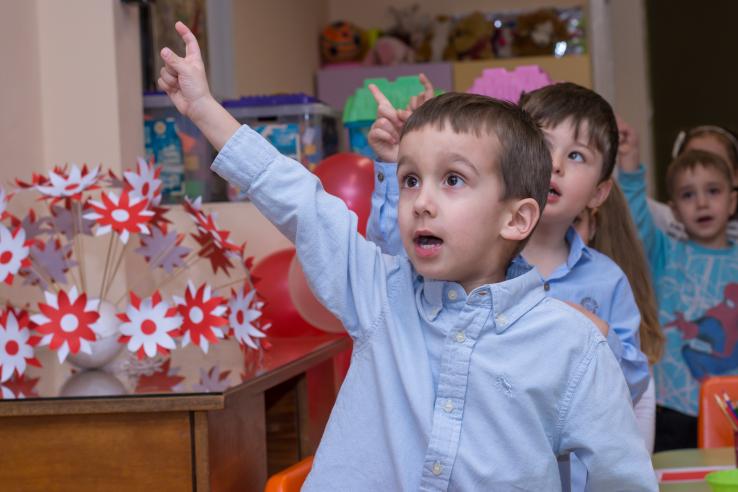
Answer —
470 38
538 32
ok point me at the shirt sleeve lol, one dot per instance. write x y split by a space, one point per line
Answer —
382 228
624 339
346 272
655 241
598 425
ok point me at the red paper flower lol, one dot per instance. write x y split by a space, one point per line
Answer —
202 315
124 216
61 185
18 388
145 182
149 326
4 197
14 251
67 322
213 240
16 344
162 380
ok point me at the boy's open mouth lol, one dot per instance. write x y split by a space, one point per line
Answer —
553 191
706 219
428 241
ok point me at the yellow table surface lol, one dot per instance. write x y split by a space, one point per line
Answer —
687 458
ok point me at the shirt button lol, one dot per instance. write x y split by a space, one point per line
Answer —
380 177
437 468
460 337
448 407
501 319
546 286
452 295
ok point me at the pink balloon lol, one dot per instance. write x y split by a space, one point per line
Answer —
271 273
310 309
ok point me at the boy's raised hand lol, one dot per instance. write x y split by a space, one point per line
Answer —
628 149
184 79
384 135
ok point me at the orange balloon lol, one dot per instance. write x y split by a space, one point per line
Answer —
307 305
271 274
350 177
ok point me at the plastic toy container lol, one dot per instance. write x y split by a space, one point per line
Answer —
182 151
360 110
298 125
723 480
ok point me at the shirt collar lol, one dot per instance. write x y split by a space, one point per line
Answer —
510 299
577 248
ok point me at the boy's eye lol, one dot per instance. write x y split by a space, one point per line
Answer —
714 191
687 195
576 156
410 181
454 180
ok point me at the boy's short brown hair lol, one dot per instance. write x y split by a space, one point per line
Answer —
524 161
691 159
554 104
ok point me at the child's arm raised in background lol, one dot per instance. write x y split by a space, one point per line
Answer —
632 180
347 273
384 138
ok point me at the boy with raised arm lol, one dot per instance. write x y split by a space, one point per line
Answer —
432 330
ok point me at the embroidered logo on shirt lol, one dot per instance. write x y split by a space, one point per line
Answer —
590 305
504 385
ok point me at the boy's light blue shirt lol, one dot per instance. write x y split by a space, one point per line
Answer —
699 283
588 278
446 391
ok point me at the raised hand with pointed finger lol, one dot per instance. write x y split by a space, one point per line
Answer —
384 135
186 83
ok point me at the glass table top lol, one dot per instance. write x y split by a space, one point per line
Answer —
186 370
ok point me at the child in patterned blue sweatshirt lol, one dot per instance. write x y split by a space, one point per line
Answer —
462 375
696 281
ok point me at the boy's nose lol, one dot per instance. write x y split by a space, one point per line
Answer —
557 166
425 204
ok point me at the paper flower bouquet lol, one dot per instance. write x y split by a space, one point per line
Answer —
77 314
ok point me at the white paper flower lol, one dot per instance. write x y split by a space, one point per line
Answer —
243 310
72 185
149 326
145 182
16 345
14 251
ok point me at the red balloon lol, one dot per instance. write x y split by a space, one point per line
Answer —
271 284
306 304
350 177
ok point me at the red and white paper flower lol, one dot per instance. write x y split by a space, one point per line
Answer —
67 322
3 203
124 215
149 326
16 344
61 185
145 181
14 251
202 316
243 310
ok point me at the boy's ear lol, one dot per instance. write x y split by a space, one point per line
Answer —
600 194
522 219
733 201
